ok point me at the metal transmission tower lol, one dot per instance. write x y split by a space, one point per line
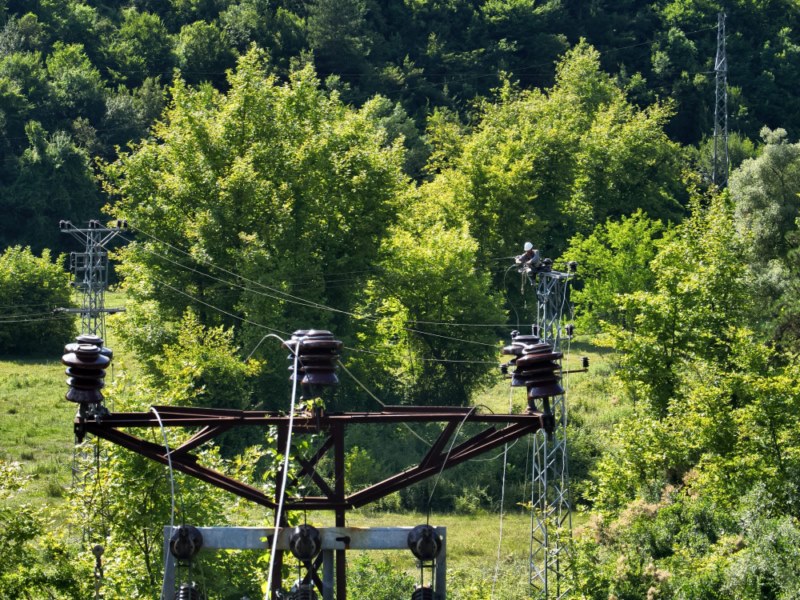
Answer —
720 171
91 272
90 269
551 520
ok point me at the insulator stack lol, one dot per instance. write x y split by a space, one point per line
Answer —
535 368
422 592
188 591
317 354
94 340
86 368
303 592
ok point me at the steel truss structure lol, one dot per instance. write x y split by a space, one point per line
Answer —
551 510
90 268
208 423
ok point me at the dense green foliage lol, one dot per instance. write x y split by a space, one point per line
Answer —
369 166
698 496
36 561
31 287
80 78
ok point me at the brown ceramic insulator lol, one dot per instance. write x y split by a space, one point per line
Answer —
514 349
317 354
537 370
87 338
86 367
526 339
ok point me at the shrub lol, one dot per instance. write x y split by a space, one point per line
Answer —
30 288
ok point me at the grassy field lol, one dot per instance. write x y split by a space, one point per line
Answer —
36 424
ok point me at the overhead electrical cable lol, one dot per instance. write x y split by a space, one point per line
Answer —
291 298
502 500
284 476
383 405
286 296
267 327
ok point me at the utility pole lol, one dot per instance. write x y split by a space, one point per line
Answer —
720 170
90 268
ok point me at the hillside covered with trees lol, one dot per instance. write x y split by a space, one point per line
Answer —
372 168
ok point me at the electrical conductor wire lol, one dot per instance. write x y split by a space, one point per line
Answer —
284 475
153 409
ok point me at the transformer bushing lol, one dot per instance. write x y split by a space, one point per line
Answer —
317 354
86 369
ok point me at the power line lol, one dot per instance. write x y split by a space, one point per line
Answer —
290 298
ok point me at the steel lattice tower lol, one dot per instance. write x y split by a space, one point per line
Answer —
720 168
551 518
90 268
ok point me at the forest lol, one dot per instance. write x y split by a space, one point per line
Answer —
372 167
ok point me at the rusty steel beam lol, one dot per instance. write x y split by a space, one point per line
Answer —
208 432
415 474
213 422
202 417
439 444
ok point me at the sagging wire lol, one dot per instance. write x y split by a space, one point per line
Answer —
269 335
284 475
508 298
374 397
262 326
444 462
154 410
286 297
